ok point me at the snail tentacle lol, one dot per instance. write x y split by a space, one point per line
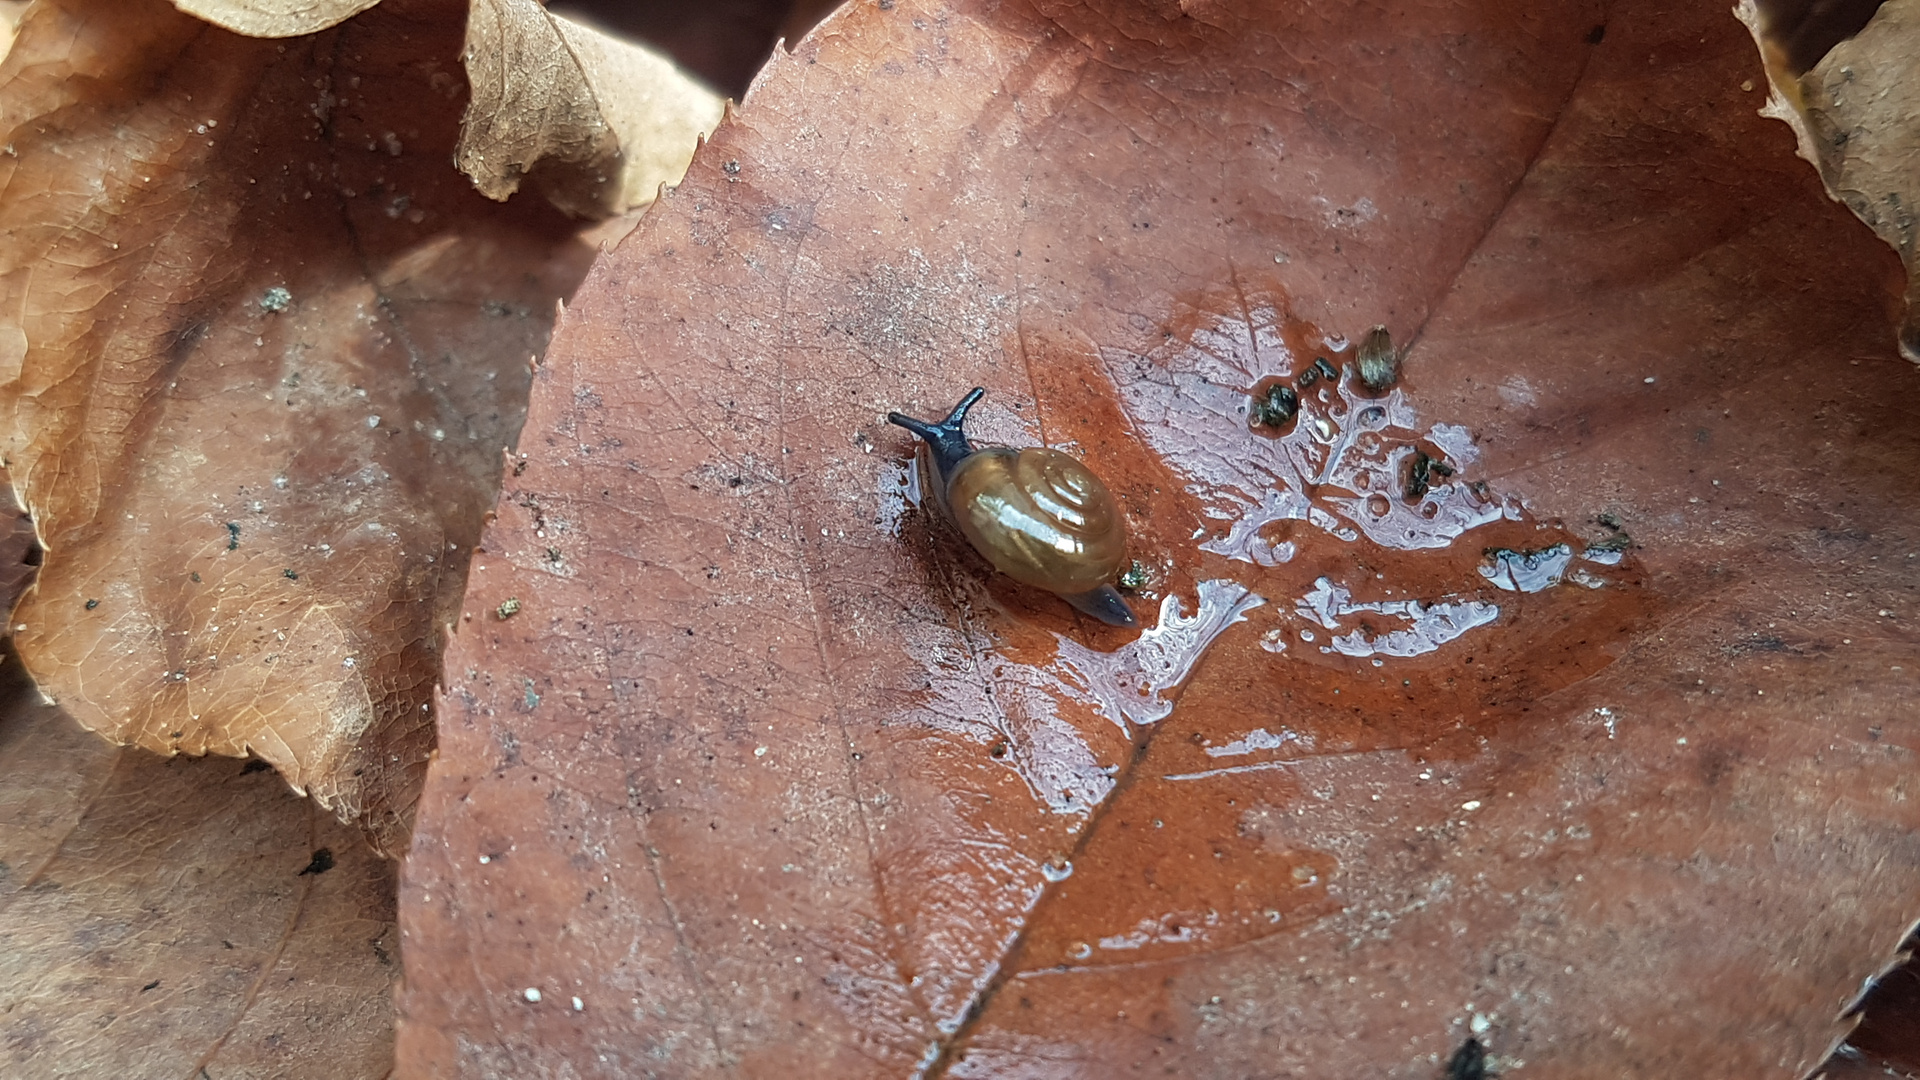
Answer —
947 439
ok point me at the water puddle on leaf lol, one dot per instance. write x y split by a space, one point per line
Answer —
1345 594
1398 608
1131 684
1364 523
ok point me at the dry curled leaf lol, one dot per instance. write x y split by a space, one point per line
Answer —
19 550
1856 116
1592 750
10 13
180 917
597 124
1889 1031
260 352
724 43
274 18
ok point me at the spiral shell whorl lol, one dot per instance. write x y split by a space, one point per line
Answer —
1040 516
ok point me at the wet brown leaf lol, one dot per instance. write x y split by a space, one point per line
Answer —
261 352
765 775
163 917
1856 116
597 123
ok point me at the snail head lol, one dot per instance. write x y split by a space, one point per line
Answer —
946 439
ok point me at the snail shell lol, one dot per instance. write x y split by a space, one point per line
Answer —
1038 515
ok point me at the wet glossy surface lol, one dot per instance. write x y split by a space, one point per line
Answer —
801 785
1041 517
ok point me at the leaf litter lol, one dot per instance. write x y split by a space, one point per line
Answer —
263 346
995 627
258 452
778 777
1854 118
166 916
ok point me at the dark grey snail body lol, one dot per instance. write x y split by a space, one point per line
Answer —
1039 516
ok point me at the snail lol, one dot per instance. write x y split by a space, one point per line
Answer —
1038 515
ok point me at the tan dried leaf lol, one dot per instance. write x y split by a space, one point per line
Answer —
163 917
597 124
1856 117
274 18
260 352
10 13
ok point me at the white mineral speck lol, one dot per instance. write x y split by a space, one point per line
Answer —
578 1005
531 994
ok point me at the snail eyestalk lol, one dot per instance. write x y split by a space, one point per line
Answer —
947 439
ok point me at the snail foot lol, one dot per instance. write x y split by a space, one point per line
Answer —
1104 603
